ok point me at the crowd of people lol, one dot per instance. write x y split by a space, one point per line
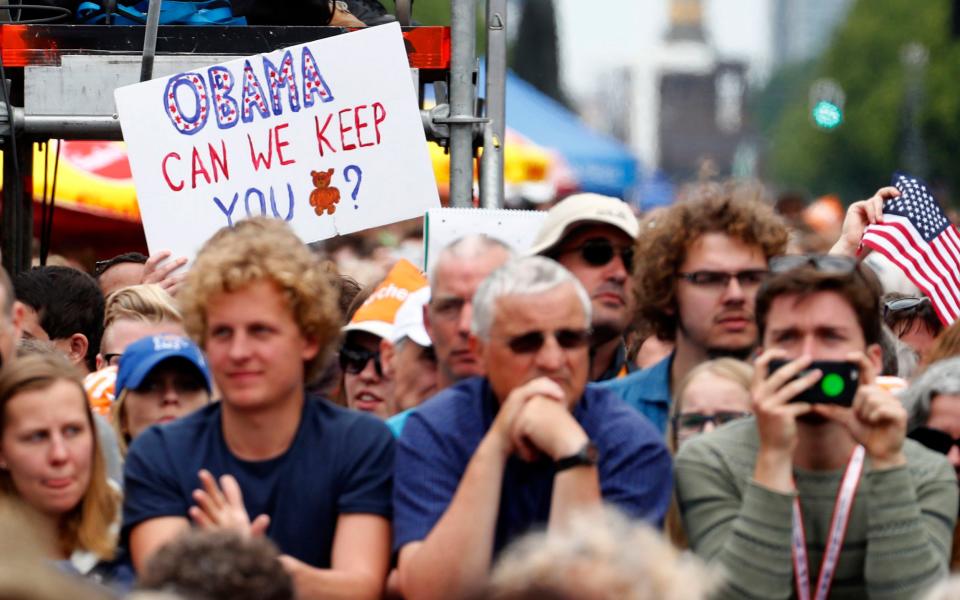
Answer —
684 405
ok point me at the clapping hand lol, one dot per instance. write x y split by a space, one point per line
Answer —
221 507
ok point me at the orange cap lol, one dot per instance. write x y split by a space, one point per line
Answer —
377 313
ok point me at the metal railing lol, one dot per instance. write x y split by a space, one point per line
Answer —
465 124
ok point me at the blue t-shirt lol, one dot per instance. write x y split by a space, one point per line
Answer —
440 437
340 461
647 391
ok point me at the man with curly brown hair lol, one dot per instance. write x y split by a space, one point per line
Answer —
700 265
267 459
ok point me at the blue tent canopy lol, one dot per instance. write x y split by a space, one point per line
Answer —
600 163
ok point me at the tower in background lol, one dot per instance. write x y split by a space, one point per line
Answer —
701 99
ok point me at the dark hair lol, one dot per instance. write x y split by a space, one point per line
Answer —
349 288
218 565
665 237
919 316
860 288
67 301
103 266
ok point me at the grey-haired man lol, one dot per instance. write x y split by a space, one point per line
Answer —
526 445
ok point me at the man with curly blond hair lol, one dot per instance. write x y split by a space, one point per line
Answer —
699 267
267 460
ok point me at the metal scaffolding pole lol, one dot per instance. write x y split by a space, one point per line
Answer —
463 25
150 40
18 205
491 163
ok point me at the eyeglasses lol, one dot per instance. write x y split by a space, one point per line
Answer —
912 304
181 385
721 279
354 360
112 359
568 339
100 266
694 421
935 439
598 252
824 263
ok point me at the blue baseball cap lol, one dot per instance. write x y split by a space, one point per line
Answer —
140 357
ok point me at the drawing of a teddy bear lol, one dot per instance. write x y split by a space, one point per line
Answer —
324 198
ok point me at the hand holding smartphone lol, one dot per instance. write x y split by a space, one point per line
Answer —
837 385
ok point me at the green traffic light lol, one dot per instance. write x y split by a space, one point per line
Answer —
827 115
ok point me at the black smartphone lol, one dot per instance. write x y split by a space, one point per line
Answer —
838 385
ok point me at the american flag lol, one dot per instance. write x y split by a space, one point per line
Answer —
922 242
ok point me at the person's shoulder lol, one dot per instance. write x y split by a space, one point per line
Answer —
925 464
326 414
651 381
396 422
462 398
602 405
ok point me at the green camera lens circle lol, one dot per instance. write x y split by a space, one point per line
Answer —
832 385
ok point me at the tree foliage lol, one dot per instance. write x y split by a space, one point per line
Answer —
864 58
426 12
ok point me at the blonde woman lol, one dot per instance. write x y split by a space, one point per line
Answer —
133 313
50 460
712 393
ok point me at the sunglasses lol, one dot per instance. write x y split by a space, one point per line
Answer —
904 304
694 421
568 339
598 252
100 266
112 359
935 439
721 279
824 263
354 360
183 384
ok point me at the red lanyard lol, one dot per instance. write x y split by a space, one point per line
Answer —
838 530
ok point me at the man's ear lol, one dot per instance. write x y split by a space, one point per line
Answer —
387 354
16 318
875 353
77 345
426 320
311 348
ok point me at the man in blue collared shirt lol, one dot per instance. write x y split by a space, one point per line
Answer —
526 446
700 265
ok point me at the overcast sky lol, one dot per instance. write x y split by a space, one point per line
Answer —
597 36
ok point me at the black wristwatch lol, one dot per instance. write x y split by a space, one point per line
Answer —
585 457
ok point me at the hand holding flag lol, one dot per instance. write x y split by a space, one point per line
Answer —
916 235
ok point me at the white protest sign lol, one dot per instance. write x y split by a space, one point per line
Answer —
325 135
515 228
